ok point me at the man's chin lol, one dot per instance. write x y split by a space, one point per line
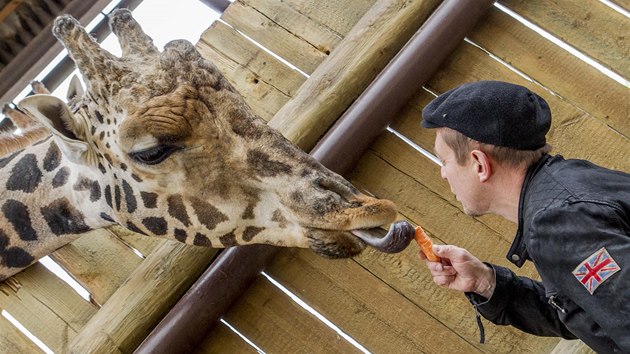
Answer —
472 213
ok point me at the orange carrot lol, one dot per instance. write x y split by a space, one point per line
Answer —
426 246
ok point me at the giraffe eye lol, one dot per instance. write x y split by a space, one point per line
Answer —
154 155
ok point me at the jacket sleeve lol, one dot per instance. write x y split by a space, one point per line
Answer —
583 249
520 302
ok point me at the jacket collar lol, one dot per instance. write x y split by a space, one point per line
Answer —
518 251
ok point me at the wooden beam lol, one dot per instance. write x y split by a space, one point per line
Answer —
9 8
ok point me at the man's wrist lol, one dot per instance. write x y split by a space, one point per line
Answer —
486 285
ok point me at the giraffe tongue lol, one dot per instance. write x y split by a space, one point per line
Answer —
395 240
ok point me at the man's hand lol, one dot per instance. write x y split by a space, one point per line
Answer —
460 270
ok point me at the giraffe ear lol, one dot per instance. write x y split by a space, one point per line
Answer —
53 113
75 89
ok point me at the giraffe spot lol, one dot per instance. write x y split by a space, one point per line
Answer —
106 217
229 239
108 196
264 166
108 158
149 199
25 175
5 161
208 214
245 128
158 226
18 215
117 197
52 158
84 184
177 209
131 226
4 240
99 116
15 257
61 177
63 218
297 197
181 235
250 232
279 218
130 198
248 214
201 240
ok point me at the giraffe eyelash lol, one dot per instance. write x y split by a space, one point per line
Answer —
154 155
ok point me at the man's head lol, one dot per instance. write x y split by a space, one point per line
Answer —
484 127
492 112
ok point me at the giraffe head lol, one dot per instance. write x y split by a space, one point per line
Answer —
168 148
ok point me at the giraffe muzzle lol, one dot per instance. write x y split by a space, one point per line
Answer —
395 240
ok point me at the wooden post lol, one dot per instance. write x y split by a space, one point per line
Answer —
149 292
350 68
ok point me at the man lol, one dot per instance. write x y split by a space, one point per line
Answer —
573 219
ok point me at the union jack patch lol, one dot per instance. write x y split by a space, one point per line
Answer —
596 269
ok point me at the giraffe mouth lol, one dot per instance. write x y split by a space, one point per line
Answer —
396 239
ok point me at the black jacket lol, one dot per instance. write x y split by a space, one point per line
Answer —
574 225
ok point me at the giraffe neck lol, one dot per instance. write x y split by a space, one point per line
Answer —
43 204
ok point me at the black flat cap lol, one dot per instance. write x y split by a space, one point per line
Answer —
492 112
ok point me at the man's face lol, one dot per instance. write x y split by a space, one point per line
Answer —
463 179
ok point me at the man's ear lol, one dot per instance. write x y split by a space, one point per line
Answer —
482 165
53 113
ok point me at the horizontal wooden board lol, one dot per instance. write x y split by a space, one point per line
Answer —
368 310
558 70
141 243
12 340
264 30
337 16
316 34
275 323
50 309
226 41
594 29
264 99
222 339
99 261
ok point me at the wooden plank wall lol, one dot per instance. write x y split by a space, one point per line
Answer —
386 303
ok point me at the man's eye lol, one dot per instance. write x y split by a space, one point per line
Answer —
154 155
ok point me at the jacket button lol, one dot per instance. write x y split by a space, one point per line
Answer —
515 257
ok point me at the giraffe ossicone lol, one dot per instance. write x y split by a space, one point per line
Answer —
162 144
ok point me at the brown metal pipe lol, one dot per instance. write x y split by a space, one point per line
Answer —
217 6
231 274
352 134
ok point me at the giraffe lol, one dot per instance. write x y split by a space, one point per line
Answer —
160 143
30 130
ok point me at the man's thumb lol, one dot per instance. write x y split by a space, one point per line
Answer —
443 250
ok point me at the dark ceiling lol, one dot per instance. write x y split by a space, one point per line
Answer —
27 44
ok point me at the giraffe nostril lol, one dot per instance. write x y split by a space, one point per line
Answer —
345 193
